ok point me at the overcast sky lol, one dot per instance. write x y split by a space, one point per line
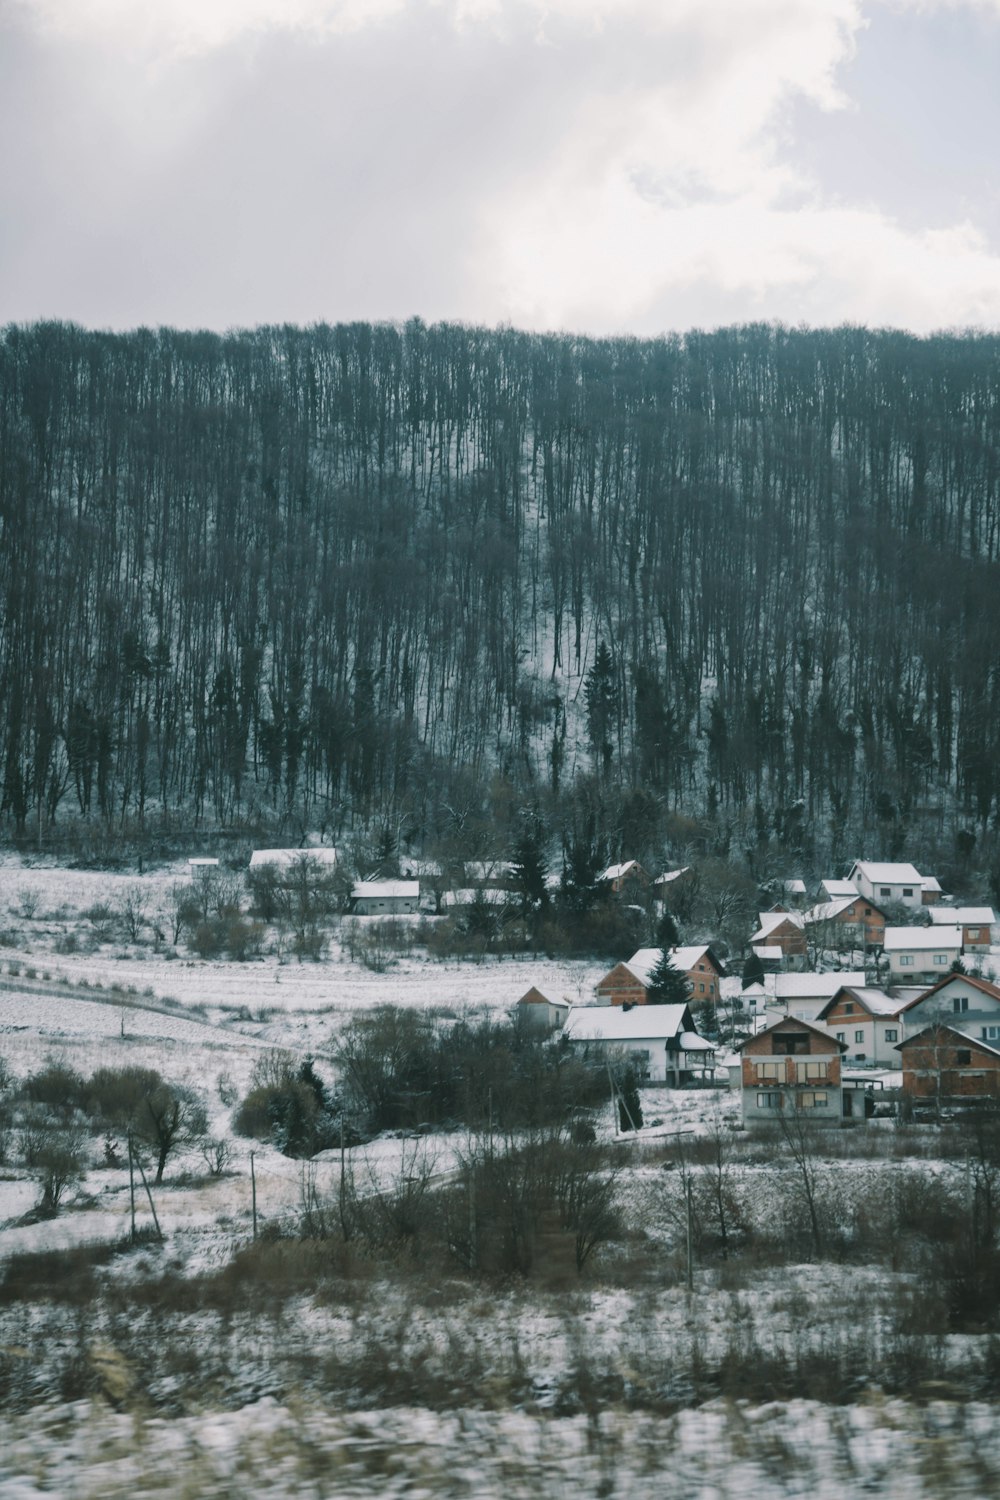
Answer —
594 165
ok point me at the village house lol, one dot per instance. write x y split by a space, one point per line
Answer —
540 1013
930 890
961 1000
976 923
793 1066
888 883
661 1041
868 1022
628 878
848 921
385 898
781 929
804 995
917 953
628 983
202 869
944 1065
666 884
492 874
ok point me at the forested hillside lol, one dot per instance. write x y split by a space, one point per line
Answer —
375 570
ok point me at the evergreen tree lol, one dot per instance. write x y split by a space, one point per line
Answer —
529 868
753 971
629 1104
601 694
667 935
667 985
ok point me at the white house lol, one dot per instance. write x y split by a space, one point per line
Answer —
916 953
385 898
961 1000
540 1012
888 882
868 1022
804 995
837 890
660 1040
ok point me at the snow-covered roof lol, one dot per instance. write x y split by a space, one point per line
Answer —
203 864
535 996
671 875
922 939
617 872
888 874
487 869
692 1042
930 883
769 920
612 1023
835 889
967 916
325 856
386 890
874 1000
644 961
811 986
794 887
430 869
769 953
826 911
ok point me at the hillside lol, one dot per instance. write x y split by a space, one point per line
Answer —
373 571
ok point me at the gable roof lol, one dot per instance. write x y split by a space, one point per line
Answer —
888 874
826 911
923 939
787 1023
960 1036
644 960
670 875
875 1002
770 921
982 985
604 1023
618 872
323 856
534 996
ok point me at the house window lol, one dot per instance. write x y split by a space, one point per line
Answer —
811 1072
891 1035
789 1043
769 1070
841 1036
963 1057
990 1033
884 890
907 890
859 1036
973 934
868 911
960 1003
768 1101
941 959
848 1007
701 987
906 960
811 1100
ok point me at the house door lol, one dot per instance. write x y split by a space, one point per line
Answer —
848 1104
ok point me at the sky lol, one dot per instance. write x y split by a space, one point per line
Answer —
594 166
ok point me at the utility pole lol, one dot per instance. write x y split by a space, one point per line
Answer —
131 1185
690 1253
253 1192
152 1206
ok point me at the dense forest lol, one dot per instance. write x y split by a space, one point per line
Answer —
412 574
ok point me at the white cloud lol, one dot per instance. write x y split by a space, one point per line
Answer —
595 164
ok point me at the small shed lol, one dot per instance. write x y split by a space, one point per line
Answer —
202 869
542 1013
385 898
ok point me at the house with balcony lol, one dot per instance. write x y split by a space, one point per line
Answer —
793 1066
660 1041
945 1067
969 1004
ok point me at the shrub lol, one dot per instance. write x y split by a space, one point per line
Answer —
56 1085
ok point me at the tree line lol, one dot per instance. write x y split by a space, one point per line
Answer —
370 570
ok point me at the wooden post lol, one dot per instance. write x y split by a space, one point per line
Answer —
253 1192
131 1184
152 1206
690 1253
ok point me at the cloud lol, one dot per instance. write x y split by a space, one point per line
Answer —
594 164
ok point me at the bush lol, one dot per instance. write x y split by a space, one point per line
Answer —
56 1085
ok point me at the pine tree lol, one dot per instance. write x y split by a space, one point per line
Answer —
529 868
753 971
667 935
601 693
629 1104
667 985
